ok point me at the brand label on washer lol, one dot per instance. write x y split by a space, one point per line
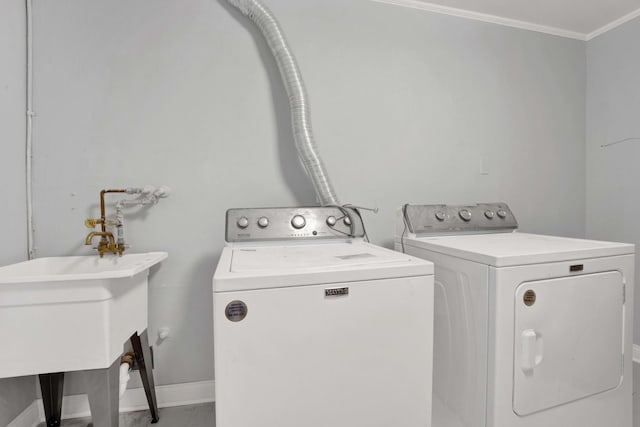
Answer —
529 298
336 292
236 311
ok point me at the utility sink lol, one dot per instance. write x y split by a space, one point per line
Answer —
71 313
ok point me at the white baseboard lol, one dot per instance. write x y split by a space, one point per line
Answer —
30 417
77 406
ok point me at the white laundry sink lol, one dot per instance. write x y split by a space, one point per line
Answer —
71 313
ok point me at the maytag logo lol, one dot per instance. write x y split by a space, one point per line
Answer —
336 292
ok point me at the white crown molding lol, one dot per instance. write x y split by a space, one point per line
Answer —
492 19
626 18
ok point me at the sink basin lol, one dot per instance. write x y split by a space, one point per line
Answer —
71 313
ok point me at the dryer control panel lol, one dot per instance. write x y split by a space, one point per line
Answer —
481 217
261 224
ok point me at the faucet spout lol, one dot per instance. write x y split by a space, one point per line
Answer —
105 235
107 244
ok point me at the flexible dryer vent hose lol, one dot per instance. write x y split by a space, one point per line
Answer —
298 101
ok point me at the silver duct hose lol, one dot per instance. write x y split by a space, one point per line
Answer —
298 102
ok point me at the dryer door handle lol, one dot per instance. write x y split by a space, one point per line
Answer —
532 350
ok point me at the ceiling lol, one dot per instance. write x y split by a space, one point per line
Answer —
581 19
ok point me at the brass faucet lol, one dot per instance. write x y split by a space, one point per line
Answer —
107 244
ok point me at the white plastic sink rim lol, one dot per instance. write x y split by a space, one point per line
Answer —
71 268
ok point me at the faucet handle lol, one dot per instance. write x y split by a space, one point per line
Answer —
92 222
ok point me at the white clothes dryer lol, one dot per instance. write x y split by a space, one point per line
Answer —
530 330
315 327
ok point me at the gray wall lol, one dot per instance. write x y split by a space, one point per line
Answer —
12 131
15 393
613 113
405 104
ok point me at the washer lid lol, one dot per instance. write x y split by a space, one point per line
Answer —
509 249
255 267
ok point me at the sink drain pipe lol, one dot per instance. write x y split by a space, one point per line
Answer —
31 250
126 364
262 17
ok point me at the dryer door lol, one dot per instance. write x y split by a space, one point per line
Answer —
568 340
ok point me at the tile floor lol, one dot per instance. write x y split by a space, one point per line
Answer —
204 415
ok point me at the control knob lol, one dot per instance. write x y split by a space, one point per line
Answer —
298 222
465 215
331 221
243 222
502 213
489 214
263 222
347 220
440 216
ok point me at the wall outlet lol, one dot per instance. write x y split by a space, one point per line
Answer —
484 165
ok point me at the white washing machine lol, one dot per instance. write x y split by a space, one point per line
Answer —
530 330
315 327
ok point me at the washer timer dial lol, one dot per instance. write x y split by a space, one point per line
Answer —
298 222
465 215
243 222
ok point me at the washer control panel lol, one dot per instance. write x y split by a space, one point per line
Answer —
259 224
481 217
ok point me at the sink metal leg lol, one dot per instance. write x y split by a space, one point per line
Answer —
103 386
52 387
140 345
